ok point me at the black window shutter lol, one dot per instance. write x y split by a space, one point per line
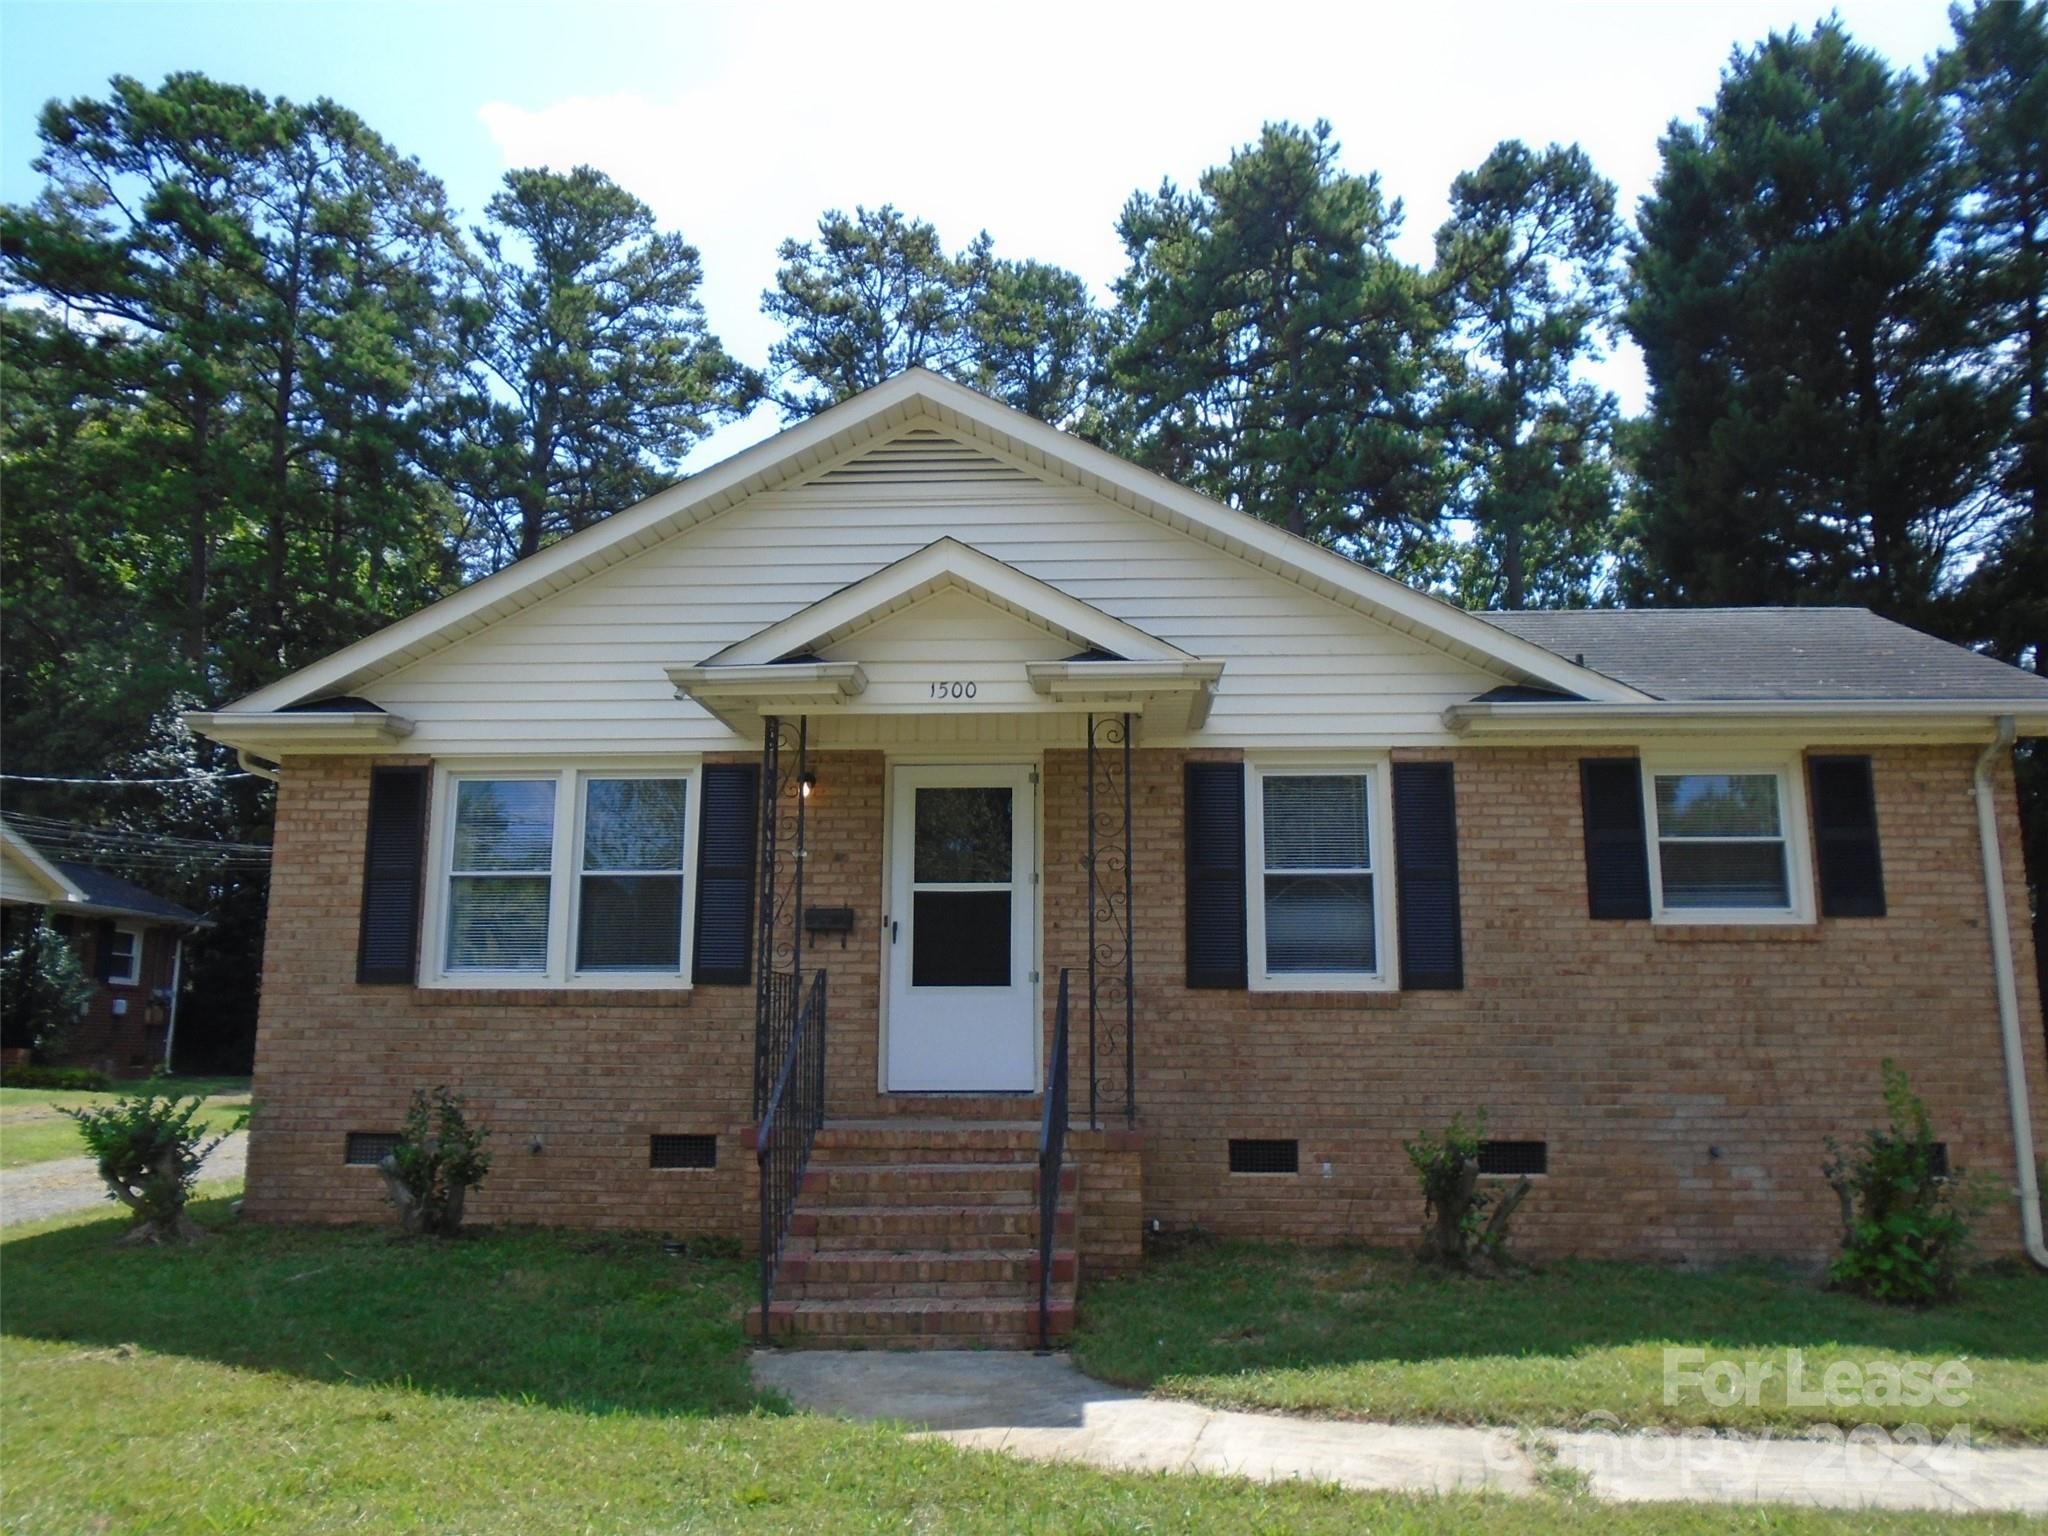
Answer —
387 950
1426 876
1617 857
1215 858
103 950
726 824
1845 836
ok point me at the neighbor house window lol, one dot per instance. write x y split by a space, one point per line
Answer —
1728 843
124 956
565 877
1317 903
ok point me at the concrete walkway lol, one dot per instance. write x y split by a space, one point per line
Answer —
1044 1408
67 1184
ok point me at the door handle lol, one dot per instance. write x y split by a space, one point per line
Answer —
892 928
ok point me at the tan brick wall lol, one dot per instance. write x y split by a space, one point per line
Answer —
1684 1078
1633 1050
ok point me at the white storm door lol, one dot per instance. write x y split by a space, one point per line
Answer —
962 930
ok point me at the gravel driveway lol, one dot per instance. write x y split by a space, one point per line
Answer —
73 1184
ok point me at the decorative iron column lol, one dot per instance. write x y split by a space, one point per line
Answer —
1112 995
779 939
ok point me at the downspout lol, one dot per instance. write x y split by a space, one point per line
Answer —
2008 994
261 769
177 981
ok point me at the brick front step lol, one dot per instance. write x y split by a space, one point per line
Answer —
967 1323
840 1274
896 1228
921 1183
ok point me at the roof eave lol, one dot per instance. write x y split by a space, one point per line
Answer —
1877 719
274 734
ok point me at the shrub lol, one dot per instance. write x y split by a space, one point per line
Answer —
149 1150
439 1159
1457 1231
71 1079
44 987
1905 1226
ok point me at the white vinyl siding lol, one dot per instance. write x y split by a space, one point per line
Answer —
587 663
1727 840
560 876
1319 897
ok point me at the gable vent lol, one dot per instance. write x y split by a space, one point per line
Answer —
921 458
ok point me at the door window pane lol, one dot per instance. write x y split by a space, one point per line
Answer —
960 939
499 875
962 836
630 896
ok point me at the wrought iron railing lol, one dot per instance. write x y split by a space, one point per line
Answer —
1052 1153
789 1128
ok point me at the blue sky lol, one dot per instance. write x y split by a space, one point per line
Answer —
739 125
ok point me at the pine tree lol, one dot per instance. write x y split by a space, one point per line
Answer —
1270 350
1995 80
593 369
1817 429
1528 265
1033 339
871 296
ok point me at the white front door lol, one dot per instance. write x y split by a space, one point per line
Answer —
962 930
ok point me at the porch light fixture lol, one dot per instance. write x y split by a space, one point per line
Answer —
807 783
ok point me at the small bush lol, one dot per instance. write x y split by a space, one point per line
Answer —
1457 1231
149 1151
43 989
70 1079
1905 1228
439 1159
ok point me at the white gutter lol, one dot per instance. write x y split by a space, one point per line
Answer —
177 981
1508 717
268 771
2008 994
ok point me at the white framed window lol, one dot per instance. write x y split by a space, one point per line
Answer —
124 955
1728 840
1320 899
550 876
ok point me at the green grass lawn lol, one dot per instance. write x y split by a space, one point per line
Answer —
1365 1334
328 1381
33 1131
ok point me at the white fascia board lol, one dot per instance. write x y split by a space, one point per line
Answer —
1914 719
273 734
61 889
810 444
1130 684
945 563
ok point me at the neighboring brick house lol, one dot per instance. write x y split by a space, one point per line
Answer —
1325 860
130 942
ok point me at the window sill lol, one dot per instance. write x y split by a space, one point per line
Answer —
1793 932
677 996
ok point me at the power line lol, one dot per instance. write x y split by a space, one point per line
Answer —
189 778
142 849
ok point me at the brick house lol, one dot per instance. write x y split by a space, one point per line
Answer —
130 941
728 856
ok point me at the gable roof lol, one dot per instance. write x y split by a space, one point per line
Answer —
847 437
110 893
1702 655
946 565
80 888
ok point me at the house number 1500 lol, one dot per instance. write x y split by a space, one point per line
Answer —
952 690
